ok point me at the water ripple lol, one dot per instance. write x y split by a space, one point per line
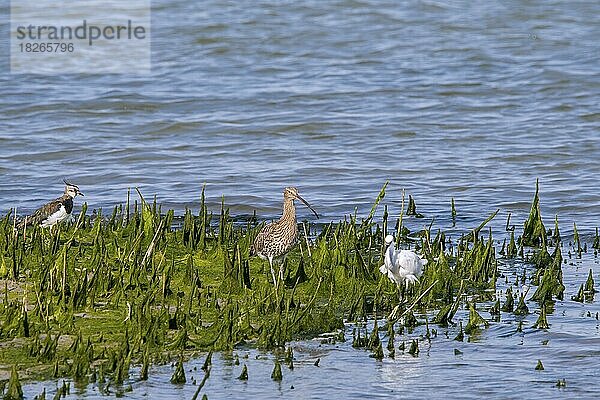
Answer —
336 98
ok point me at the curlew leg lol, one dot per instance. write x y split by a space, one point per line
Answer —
272 271
281 270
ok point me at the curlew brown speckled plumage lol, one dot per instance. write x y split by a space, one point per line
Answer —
277 238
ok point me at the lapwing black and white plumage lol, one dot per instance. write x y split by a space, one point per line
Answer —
277 238
55 211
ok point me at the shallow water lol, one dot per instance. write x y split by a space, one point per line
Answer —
498 362
471 101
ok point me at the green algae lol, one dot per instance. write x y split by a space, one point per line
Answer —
144 287
461 334
588 288
522 308
511 250
14 391
135 272
179 374
411 209
539 366
390 344
203 382
378 352
476 321
289 358
244 374
580 296
549 278
277 375
414 348
374 341
534 231
453 212
41 396
542 321
556 238
380 197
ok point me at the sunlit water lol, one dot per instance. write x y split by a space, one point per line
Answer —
471 101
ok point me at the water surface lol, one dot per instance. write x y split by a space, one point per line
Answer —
472 101
466 100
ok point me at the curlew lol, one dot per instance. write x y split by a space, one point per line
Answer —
277 238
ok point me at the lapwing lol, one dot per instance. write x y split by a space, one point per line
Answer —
277 238
55 211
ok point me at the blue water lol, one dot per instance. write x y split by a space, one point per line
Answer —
466 100
472 101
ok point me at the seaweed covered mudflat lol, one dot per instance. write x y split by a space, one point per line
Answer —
139 286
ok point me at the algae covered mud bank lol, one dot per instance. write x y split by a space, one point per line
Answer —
137 301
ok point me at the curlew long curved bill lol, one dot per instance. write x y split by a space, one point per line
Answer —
307 205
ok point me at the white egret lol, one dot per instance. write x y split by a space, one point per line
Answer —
401 266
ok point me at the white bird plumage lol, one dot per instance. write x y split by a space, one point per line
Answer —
401 266
58 216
